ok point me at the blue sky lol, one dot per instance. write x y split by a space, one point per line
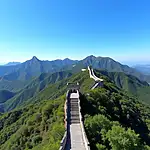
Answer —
52 29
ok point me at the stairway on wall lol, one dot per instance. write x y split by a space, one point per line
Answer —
77 142
74 110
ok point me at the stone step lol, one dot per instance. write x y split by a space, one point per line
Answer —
74 100
74 108
74 103
72 117
74 113
75 119
77 114
75 122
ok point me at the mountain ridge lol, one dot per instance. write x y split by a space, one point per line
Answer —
12 63
34 67
108 64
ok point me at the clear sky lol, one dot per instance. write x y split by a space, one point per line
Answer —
52 29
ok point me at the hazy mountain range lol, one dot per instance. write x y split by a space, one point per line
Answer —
12 63
34 67
145 69
23 81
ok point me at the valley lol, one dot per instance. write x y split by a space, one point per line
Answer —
29 111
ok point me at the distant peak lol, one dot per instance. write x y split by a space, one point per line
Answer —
35 58
90 57
66 59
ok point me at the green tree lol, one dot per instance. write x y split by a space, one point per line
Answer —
120 139
95 124
100 147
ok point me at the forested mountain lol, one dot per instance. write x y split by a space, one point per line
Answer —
32 97
33 88
38 124
33 68
112 118
12 86
128 83
5 95
16 78
124 81
109 65
143 94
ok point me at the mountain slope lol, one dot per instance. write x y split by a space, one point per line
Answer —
109 65
5 95
6 70
38 123
143 94
34 88
12 86
114 120
38 126
34 92
124 81
132 85
33 68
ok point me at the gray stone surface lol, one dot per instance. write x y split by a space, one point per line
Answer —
75 140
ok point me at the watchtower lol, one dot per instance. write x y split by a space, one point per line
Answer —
73 86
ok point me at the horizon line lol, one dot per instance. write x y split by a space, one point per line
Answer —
125 62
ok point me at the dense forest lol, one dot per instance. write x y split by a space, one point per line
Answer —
113 117
39 126
114 120
38 122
